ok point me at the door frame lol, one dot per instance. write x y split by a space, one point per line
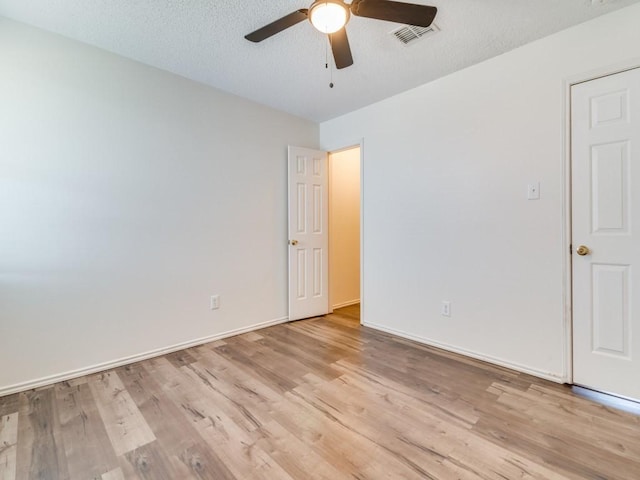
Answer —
567 221
349 146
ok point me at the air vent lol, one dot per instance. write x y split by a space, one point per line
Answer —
410 33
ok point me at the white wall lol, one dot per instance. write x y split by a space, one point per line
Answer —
344 227
128 196
446 167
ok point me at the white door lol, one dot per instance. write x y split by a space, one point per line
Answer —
308 235
605 170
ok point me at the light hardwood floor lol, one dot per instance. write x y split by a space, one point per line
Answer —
315 399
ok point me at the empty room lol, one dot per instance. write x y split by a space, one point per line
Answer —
334 240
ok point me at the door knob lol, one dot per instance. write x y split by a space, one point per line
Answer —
293 242
583 250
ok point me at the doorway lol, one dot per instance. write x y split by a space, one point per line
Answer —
344 228
605 230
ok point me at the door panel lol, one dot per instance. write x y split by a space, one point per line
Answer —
308 234
605 169
611 309
610 175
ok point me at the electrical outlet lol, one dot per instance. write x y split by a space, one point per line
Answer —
445 310
215 302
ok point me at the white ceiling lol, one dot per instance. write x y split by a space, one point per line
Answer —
203 40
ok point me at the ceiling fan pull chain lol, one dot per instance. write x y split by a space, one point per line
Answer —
326 54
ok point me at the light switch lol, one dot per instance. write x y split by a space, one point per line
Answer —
533 191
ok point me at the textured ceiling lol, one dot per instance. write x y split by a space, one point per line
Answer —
203 40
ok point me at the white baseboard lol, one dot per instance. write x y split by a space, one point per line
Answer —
346 304
60 377
469 353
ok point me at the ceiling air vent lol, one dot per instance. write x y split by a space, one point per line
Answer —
408 34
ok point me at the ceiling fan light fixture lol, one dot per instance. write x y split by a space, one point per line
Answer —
329 16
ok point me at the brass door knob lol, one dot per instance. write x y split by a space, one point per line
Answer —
293 242
583 250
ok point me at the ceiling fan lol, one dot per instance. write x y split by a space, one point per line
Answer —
331 16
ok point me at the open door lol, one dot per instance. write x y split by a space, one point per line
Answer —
308 233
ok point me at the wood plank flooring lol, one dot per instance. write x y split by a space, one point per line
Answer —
315 399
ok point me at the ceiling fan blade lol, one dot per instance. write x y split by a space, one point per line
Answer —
278 26
399 12
340 48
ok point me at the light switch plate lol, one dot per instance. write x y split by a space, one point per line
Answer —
533 191
215 302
